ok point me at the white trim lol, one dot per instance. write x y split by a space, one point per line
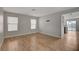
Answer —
34 32
20 34
51 35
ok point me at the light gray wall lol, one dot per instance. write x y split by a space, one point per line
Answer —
23 25
1 27
56 25
53 27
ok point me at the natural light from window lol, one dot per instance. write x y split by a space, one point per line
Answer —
12 23
33 23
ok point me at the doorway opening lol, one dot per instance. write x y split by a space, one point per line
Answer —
69 23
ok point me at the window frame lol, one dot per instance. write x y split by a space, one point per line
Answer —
35 25
12 23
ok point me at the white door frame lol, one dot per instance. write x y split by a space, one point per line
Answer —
62 26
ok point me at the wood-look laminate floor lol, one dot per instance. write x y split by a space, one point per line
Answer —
41 42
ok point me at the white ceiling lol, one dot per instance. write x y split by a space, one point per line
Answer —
40 11
71 15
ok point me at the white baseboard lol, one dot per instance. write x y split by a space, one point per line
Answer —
51 35
34 32
19 35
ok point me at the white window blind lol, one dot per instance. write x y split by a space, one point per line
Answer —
12 23
33 23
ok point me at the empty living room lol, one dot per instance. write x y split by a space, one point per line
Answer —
39 29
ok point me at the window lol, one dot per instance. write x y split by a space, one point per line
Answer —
33 23
12 23
71 25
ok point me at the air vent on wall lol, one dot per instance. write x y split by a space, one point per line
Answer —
47 20
33 9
